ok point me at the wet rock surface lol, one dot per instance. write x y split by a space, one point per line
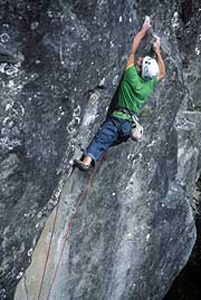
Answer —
60 64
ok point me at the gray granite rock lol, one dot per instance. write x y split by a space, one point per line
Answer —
60 64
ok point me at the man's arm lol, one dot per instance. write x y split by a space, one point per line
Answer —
159 59
137 39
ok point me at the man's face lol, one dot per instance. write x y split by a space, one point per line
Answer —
139 64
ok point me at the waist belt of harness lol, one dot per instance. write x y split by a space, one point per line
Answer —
127 112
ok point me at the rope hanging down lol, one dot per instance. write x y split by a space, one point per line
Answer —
80 199
49 247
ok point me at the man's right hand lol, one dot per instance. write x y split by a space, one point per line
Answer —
160 62
157 43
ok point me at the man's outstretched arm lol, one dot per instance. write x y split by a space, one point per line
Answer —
159 59
137 39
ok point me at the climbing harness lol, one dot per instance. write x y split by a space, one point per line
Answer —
137 130
65 239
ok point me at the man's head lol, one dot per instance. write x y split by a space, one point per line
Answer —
150 68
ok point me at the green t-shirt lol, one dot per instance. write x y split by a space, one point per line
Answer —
133 92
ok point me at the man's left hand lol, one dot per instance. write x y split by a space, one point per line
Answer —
157 43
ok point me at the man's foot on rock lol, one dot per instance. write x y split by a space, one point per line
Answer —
81 166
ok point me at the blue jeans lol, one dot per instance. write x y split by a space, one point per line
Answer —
112 132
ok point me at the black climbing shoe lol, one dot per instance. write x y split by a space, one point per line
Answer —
82 167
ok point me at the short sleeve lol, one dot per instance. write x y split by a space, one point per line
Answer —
131 75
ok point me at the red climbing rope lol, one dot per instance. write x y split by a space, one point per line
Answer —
49 247
71 220
80 199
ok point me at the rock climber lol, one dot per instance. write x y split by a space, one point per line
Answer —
139 78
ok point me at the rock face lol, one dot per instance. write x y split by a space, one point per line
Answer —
60 64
